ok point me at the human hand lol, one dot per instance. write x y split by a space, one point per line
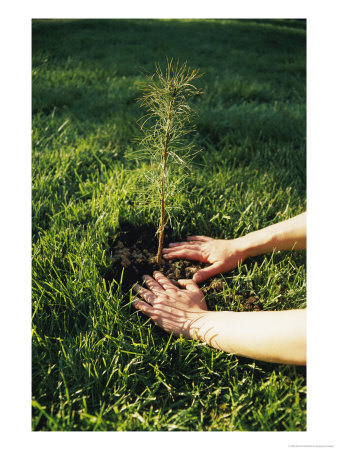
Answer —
223 255
171 308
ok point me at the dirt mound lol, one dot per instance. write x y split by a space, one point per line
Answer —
134 250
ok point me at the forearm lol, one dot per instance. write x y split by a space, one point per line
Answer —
287 235
273 336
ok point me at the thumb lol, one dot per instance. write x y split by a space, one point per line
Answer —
208 272
190 285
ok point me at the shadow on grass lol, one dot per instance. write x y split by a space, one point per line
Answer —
254 82
257 52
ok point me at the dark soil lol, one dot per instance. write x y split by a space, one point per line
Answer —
134 250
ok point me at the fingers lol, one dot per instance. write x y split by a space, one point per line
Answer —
192 239
191 249
153 285
165 283
184 253
161 285
200 238
189 285
169 321
208 272
144 293
142 306
177 244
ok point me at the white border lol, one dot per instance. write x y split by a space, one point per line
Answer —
322 217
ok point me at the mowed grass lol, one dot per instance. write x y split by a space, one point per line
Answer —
96 363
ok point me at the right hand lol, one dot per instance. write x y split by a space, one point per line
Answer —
223 255
176 310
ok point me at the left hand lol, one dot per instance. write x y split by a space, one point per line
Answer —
175 310
222 255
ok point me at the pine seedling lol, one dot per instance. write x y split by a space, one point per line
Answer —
164 141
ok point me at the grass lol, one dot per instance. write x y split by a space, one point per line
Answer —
96 363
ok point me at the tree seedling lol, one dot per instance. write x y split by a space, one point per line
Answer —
164 141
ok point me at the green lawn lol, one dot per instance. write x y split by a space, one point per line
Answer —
97 364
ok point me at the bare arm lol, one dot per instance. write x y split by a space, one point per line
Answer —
287 235
224 255
273 336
